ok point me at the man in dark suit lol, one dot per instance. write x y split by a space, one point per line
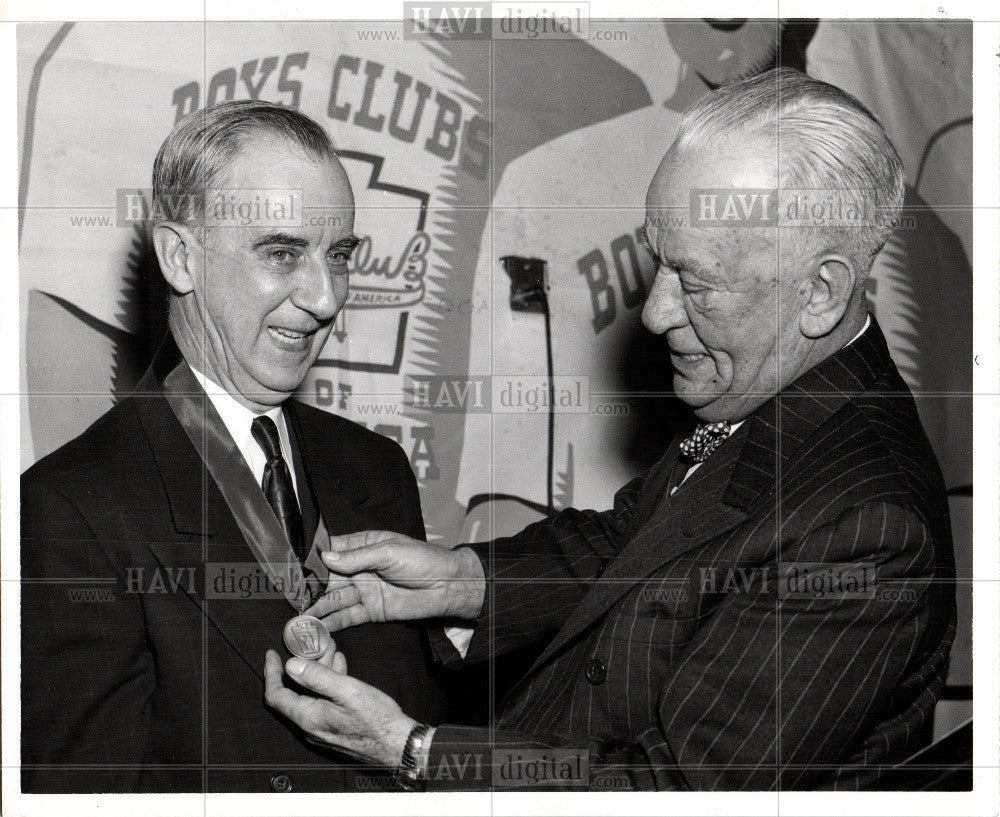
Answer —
770 606
158 512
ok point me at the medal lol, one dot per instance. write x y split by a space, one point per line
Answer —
306 637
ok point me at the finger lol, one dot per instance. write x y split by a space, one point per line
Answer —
369 557
335 581
340 663
347 541
272 670
276 694
326 659
333 600
342 619
322 680
350 541
328 558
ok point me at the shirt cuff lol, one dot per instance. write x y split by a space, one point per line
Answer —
461 637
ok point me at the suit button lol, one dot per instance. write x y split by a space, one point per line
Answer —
595 671
281 782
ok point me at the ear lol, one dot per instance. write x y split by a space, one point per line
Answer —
829 288
175 249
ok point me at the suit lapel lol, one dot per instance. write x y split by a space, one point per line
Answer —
695 514
255 517
337 485
249 625
306 495
722 493
191 494
198 509
657 483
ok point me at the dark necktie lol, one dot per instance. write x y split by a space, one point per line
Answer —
277 483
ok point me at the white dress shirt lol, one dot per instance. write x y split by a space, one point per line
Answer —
238 418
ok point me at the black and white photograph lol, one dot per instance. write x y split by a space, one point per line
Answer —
501 408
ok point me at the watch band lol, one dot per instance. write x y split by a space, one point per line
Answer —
407 773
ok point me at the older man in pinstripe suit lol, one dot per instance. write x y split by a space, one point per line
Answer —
770 606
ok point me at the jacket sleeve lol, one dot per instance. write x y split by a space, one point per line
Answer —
775 689
536 578
86 671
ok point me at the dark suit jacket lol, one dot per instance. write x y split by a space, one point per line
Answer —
683 651
133 680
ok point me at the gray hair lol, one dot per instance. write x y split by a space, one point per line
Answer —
201 147
826 140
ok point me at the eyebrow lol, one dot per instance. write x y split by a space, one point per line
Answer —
347 243
677 262
686 263
286 239
289 240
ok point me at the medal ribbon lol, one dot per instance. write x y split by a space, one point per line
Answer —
253 514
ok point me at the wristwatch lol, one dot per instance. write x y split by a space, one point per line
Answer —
408 774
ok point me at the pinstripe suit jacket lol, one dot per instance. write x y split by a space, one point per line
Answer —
683 651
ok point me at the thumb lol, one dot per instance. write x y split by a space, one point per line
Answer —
320 679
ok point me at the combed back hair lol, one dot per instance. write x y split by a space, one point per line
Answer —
825 139
201 147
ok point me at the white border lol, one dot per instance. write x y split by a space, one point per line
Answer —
985 798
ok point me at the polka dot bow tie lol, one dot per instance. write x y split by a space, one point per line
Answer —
705 439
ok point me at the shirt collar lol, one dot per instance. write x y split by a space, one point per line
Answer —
235 416
868 322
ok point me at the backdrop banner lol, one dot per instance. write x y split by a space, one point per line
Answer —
463 151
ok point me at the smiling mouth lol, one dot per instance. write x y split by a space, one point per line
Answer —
290 339
690 357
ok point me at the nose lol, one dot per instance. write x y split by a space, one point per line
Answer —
320 291
664 309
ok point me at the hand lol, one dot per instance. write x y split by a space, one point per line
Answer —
334 660
351 716
383 576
